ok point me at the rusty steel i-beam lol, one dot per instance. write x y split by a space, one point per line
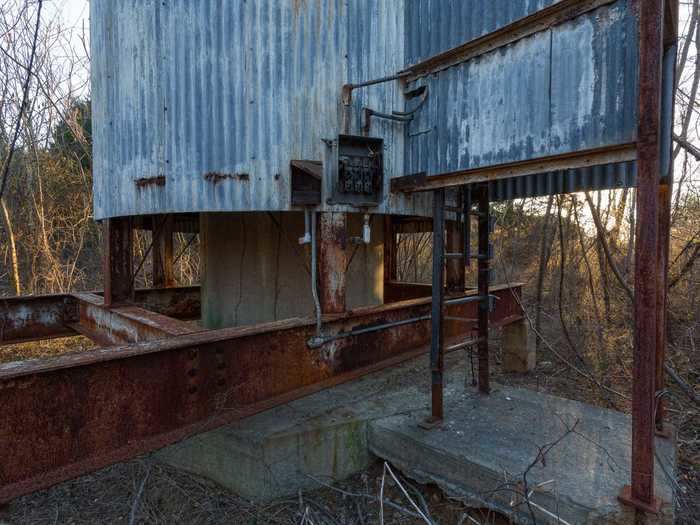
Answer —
68 415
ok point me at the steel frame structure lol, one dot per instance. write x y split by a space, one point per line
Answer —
158 378
658 33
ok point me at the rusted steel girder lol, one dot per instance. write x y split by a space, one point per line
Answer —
332 261
118 239
71 414
33 318
124 324
641 492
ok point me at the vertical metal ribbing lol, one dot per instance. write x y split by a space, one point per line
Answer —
438 304
483 287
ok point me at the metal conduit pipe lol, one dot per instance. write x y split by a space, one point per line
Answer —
314 277
319 340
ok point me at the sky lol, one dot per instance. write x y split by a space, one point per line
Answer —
72 12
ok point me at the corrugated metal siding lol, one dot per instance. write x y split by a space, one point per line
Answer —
434 26
567 89
239 88
235 88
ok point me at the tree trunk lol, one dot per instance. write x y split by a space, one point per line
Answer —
13 247
544 260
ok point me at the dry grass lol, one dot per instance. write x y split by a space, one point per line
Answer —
47 348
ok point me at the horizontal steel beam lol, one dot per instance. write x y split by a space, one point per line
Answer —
542 20
124 324
32 318
576 160
72 414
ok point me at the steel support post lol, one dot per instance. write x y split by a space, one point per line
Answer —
390 267
455 265
332 261
483 287
118 237
641 492
162 253
437 341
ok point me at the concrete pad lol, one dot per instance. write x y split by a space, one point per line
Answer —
479 455
488 442
323 436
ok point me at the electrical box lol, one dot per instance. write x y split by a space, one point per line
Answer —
358 173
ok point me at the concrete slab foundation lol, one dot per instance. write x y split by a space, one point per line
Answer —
488 443
480 455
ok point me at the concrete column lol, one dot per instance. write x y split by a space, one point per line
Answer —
518 351
254 270
332 261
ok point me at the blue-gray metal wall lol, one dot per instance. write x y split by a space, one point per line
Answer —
570 88
185 88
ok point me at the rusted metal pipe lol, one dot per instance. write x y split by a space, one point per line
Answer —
437 363
641 492
483 287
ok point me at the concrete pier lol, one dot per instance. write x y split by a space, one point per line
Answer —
479 455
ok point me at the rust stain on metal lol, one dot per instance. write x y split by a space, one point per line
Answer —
119 402
145 182
215 177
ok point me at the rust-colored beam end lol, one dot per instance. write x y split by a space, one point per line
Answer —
625 497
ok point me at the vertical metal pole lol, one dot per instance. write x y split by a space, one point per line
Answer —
455 265
438 305
118 263
641 492
483 287
467 226
390 268
332 261
162 253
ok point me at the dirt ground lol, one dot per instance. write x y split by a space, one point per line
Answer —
145 491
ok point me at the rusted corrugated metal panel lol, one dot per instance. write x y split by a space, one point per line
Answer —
201 106
569 88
